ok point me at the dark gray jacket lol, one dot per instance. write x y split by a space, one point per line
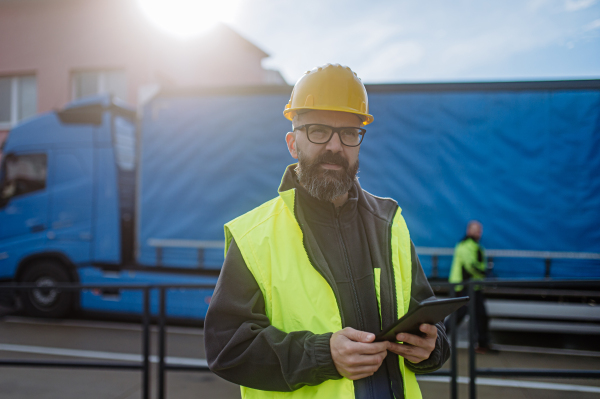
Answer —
344 245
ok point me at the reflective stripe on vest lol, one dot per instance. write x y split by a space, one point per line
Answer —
296 296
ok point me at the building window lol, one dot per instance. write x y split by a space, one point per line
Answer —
18 99
90 83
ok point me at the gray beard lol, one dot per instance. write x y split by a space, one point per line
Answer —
323 184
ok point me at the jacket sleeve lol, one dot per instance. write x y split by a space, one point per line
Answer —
243 347
420 291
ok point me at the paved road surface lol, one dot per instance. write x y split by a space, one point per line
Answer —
22 338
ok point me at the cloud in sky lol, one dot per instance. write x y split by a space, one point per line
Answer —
436 40
576 5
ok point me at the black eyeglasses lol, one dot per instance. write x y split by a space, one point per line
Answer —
321 134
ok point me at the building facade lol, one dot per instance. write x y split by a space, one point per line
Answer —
54 51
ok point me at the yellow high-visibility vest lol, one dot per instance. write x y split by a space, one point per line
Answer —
465 258
297 297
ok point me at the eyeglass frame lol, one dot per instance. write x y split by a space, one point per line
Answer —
334 130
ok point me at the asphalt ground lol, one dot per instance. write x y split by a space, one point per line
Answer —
93 340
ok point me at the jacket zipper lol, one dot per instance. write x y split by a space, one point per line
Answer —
361 324
318 269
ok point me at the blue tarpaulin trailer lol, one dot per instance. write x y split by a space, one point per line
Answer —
523 158
108 196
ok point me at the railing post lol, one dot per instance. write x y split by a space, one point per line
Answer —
453 351
434 266
146 345
548 264
472 325
161 343
490 267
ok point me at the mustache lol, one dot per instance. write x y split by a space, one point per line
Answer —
330 157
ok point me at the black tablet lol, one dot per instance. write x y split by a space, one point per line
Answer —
430 312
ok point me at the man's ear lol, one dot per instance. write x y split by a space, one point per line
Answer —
290 139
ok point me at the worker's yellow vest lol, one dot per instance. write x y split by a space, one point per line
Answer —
465 257
297 297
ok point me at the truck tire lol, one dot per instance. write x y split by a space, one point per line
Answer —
46 301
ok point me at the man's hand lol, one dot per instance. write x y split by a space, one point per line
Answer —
354 353
414 348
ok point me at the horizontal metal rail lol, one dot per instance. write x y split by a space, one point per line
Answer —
71 364
70 286
163 366
439 251
492 282
498 372
512 253
200 245
181 243
183 367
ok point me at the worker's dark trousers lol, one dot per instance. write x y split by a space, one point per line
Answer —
480 316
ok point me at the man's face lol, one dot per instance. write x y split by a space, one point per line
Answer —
325 170
475 230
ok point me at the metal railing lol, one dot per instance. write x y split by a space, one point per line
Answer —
199 245
547 256
164 367
143 366
474 372
146 315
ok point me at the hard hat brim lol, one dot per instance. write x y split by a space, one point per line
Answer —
291 112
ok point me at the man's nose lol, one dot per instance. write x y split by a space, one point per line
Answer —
335 144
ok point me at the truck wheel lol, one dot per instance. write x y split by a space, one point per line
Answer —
46 301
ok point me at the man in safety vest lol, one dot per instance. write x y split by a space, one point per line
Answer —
469 263
311 276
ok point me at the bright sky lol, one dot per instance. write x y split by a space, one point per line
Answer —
387 41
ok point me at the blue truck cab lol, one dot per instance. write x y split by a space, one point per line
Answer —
67 214
67 194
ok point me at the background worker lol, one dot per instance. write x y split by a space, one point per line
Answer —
469 263
311 276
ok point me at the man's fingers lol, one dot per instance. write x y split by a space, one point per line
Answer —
370 349
427 342
354 353
349 347
410 339
357 335
366 360
412 353
429 329
365 365
358 366
355 377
